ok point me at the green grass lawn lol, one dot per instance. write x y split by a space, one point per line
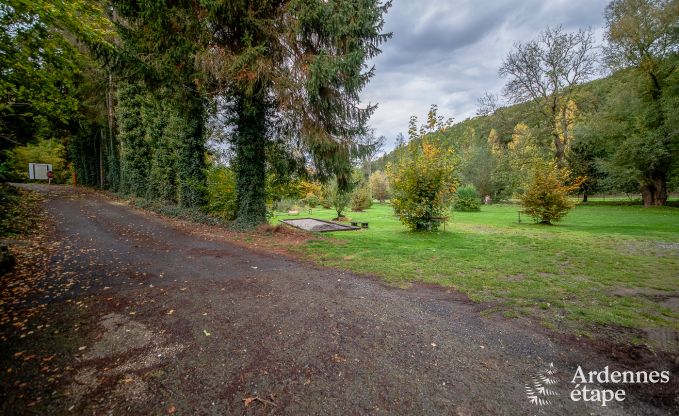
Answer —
603 265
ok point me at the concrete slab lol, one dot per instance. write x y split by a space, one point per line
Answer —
316 225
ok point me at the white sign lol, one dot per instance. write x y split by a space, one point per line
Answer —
38 170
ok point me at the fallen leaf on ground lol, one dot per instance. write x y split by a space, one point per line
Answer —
207 334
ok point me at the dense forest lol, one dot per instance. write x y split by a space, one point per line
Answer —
234 107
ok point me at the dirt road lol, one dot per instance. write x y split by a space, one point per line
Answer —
156 318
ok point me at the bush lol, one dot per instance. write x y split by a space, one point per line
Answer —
379 185
221 192
422 184
287 204
313 188
546 195
467 199
361 199
43 151
20 211
336 198
340 201
6 175
312 200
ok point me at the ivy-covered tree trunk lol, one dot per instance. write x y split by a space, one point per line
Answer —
250 163
163 128
191 162
134 150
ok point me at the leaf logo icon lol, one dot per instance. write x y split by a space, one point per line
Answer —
537 391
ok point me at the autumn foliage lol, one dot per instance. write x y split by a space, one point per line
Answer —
546 195
423 184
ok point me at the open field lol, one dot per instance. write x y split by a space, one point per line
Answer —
613 266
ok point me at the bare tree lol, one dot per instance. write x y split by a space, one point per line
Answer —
369 147
545 71
488 104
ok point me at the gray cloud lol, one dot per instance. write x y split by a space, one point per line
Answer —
448 52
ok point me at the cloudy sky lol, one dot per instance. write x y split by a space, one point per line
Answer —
448 52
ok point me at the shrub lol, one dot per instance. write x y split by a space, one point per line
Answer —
336 198
287 204
221 192
379 185
546 195
43 151
17 210
312 200
422 184
361 199
340 201
306 188
467 199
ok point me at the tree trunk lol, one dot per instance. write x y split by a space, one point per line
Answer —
584 197
101 159
559 147
112 178
654 192
191 162
250 145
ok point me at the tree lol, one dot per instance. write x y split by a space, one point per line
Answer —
51 86
643 35
361 198
400 140
291 69
221 192
488 104
582 161
338 198
546 195
379 185
544 71
39 70
369 146
467 199
423 184
135 152
159 44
